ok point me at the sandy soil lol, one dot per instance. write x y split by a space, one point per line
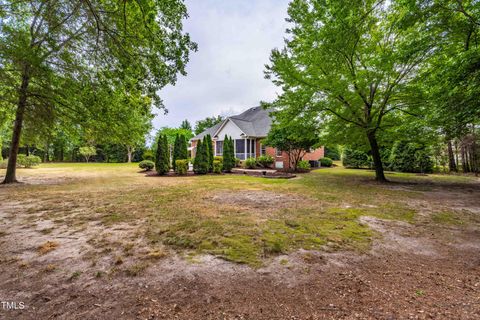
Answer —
413 271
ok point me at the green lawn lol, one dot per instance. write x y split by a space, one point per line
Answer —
238 218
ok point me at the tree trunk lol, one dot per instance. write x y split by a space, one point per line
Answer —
451 158
129 154
10 176
377 159
46 155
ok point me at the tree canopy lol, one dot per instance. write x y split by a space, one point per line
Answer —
359 65
62 61
202 125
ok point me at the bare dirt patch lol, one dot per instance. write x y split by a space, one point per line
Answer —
105 267
254 198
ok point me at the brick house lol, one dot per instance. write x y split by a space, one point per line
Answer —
248 129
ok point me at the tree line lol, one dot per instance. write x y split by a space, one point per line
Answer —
375 74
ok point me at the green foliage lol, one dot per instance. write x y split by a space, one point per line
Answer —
251 163
294 136
410 157
265 161
218 158
352 70
200 164
86 65
28 161
146 165
162 158
181 166
186 125
217 166
207 140
238 162
171 134
326 162
303 165
332 152
87 152
180 149
228 154
148 155
206 123
355 159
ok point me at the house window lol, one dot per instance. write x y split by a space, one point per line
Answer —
278 152
240 148
219 148
252 147
263 149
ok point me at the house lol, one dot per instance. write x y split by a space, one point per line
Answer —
247 130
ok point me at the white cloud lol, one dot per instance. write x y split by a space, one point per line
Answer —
225 76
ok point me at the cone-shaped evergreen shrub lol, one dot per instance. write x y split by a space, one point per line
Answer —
183 152
228 154
209 144
162 159
200 164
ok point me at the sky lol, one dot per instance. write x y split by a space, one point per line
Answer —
225 76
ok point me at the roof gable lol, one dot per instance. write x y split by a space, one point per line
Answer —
254 122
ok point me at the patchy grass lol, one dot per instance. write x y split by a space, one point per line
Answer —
447 217
238 218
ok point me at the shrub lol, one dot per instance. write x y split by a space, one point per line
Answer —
228 154
238 162
148 155
326 162
265 161
218 158
181 166
355 159
410 157
180 149
200 164
146 165
303 165
162 159
28 161
251 163
217 166
332 152
207 140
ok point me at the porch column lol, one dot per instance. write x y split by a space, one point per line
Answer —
245 147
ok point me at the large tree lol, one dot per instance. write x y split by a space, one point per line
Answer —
56 54
349 61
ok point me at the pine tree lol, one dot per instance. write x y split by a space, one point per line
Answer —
162 159
228 154
200 164
209 146
183 148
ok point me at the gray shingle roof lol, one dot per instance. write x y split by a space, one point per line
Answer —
254 122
